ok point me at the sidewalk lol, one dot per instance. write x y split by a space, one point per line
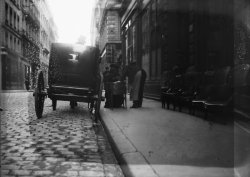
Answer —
156 142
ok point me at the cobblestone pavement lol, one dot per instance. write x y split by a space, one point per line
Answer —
62 143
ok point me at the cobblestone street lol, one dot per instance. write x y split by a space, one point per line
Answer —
61 143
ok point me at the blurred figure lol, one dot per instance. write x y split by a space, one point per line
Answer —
136 80
109 78
27 83
105 74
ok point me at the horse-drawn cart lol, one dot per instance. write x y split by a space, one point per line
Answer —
73 76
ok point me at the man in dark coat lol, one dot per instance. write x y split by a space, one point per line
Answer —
109 78
136 80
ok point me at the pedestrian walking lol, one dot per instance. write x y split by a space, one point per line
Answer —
136 80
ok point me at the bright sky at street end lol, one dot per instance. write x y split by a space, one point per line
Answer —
72 18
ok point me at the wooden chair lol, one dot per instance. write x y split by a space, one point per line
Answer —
221 100
185 97
213 83
167 84
174 89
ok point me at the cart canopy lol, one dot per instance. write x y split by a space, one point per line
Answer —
73 65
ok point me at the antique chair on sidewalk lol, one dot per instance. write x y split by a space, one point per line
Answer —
220 101
204 90
188 94
166 86
215 93
191 80
169 96
200 97
221 98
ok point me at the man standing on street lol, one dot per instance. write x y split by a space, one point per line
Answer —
136 80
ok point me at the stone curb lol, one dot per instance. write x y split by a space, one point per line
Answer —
133 164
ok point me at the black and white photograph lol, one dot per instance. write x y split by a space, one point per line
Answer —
125 88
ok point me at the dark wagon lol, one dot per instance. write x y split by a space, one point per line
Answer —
73 76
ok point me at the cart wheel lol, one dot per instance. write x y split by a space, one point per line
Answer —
54 102
39 95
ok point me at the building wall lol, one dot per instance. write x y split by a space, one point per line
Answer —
11 40
160 34
48 35
20 36
166 33
108 28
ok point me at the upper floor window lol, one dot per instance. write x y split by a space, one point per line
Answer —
6 38
11 45
6 11
18 19
10 17
14 20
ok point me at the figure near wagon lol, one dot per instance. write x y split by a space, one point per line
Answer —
136 80
110 77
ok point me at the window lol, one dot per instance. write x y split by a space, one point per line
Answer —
10 17
15 46
6 13
11 44
130 40
18 45
6 38
18 21
14 20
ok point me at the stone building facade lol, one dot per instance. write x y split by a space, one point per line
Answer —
23 39
48 34
107 26
162 34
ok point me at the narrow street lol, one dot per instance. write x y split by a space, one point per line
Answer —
62 143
